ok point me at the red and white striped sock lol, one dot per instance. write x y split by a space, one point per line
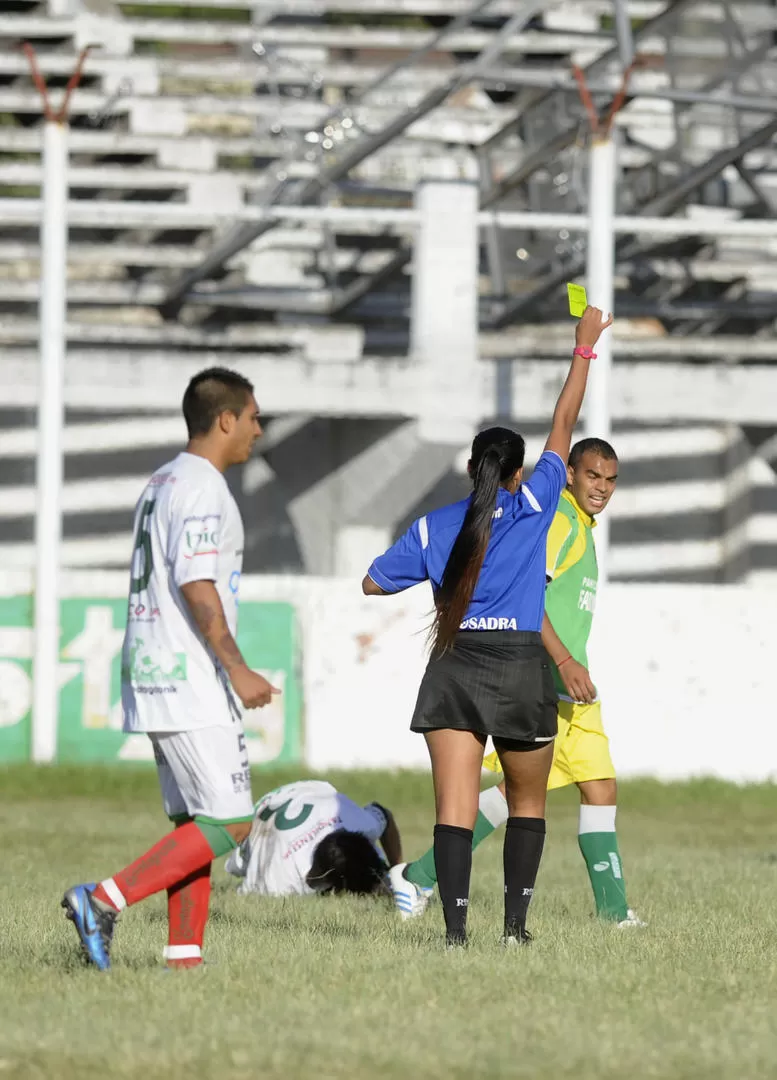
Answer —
187 913
176 856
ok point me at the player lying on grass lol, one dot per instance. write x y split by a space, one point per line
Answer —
308 838
581 752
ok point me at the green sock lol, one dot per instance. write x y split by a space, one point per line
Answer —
599 846
492 812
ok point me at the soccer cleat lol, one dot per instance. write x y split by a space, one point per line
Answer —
410 899
632 919
94 924
516 937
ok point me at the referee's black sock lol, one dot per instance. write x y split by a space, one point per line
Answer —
524 841
453 861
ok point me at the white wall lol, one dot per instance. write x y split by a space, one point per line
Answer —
685 672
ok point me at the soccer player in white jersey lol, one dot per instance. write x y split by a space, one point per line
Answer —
309 838
183 676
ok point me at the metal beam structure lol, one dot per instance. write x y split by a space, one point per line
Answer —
666 203
363 147
718 62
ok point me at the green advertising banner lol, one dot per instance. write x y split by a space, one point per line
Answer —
92 631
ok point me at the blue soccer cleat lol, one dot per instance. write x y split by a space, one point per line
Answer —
95 925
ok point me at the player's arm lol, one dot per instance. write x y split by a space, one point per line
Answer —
390 840
570 399
207 611
574 676
402 566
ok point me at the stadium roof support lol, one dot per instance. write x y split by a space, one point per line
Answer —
307 193
666 203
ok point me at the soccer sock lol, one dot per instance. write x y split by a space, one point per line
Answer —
187 913
492 812
173 858
524 841
599 846
453 859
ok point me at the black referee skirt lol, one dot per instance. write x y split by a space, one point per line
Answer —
492 682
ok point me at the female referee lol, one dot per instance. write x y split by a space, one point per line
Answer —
488 673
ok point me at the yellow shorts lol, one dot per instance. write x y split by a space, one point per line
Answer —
581 751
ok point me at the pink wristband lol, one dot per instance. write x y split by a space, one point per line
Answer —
585 352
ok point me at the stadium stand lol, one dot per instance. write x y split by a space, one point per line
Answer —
190 113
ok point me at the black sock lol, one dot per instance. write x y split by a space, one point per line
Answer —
524 840
453 860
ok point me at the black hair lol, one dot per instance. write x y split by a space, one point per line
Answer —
346 862
597 446
210 393
497 454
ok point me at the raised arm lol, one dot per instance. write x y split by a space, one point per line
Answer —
205 605
570 399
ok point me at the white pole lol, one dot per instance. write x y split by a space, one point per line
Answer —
600 274
48 522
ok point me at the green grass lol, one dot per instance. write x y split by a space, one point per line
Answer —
340 989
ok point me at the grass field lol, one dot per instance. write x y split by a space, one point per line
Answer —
325 988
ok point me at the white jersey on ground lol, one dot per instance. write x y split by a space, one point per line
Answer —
187 528
288 825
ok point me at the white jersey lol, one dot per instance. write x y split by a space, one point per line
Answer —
288 825
187 528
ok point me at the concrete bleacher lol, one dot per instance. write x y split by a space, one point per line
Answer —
182 123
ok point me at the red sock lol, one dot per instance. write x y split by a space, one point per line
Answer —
187 913
175 857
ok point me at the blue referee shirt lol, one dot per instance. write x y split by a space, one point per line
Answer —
510 592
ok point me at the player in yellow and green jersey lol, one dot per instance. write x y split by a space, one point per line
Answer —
582 753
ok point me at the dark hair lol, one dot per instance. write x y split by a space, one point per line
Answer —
346 862
597 446
497 454
210 393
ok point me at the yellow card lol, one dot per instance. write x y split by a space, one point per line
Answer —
577 300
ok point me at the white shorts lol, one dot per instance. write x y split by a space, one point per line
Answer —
204 773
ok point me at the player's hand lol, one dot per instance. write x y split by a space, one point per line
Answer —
590 327
252 688
578 682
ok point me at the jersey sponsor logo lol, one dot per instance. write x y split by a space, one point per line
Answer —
489 623
586 601
234 583
498 512
149 674
142 613
158 479
241 781
202 535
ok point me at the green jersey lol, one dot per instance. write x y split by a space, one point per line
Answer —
572 571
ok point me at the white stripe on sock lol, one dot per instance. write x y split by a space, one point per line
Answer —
596 819
115 894
493 806
182 952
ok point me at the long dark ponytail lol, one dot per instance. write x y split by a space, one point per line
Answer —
497 454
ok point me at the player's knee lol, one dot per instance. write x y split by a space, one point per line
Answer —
599 792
